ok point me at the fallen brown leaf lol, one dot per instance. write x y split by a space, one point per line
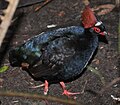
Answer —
86 2
61 14
104 9
97 62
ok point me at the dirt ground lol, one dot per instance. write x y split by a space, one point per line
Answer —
62 13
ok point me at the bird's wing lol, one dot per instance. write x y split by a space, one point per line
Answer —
48 36
32 48
53 57
86 48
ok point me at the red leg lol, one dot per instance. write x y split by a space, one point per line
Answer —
66 92
45 87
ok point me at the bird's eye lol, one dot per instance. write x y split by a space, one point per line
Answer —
97 30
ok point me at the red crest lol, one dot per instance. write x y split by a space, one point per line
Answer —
88 17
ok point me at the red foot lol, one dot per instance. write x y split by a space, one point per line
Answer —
65 92
46 87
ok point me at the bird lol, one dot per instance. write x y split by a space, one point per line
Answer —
61 54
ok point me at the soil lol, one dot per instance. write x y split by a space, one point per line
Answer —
62 13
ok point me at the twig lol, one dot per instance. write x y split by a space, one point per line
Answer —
117 3
37 97
29 4
115 98
6 20
109 85
119 36
84 87
45 3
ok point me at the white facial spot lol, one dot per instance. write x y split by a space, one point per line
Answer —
98 23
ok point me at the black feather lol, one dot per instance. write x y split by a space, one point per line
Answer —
57 55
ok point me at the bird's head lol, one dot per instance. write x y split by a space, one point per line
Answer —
91 23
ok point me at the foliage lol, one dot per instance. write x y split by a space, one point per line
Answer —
3 69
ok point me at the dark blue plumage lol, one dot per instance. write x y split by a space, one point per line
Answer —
60 54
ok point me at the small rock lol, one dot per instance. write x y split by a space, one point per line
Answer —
101 47
115 85
51 26
114 67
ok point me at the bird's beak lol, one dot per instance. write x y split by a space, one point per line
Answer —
104 36
103 33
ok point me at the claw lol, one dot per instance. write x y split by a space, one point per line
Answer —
34 87
45 87
66 92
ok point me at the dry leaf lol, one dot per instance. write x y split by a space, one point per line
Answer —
61 14
97 62
104 9
86 2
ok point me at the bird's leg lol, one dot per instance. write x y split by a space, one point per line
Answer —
45 87
66 92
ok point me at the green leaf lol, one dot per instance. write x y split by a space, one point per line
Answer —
3 69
